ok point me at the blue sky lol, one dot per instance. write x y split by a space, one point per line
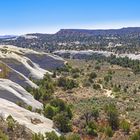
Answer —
48 16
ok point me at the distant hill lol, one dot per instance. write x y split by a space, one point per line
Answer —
99 32
123 40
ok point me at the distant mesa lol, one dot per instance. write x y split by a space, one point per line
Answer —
99 31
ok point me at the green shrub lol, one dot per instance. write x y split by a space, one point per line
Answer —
95 113
58 103
46 96
3 136
97 67
92 75
109 131
75 75
67 83
46 89
125 125
116 88
29 108
75 70
54 74
49 111
61 82
112 115
51 136
37 94
19 103
110 72
56 109
62 137
86 83
69 112
62 122
91 129
73 136
107 78
96 86
135 136
39 111
11 123
38 136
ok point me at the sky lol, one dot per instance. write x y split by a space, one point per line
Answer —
48 16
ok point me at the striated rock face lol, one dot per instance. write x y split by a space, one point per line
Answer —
17 66
15 93
33 121
27 63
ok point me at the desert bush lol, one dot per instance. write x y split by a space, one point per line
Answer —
11 123
73 136
67 83
97 67
107 78
75 75
92 75
62 122
112 115
116 88
91 129
29 108
38 136
58 103
125 125
135 136
109 131
96 86
3 136
51 136
49 111
95 113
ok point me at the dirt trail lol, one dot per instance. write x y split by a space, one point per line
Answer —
107 92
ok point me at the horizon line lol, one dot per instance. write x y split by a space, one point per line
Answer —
54 32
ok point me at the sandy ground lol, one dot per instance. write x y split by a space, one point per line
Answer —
108 93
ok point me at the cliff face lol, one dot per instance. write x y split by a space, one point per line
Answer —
17 67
